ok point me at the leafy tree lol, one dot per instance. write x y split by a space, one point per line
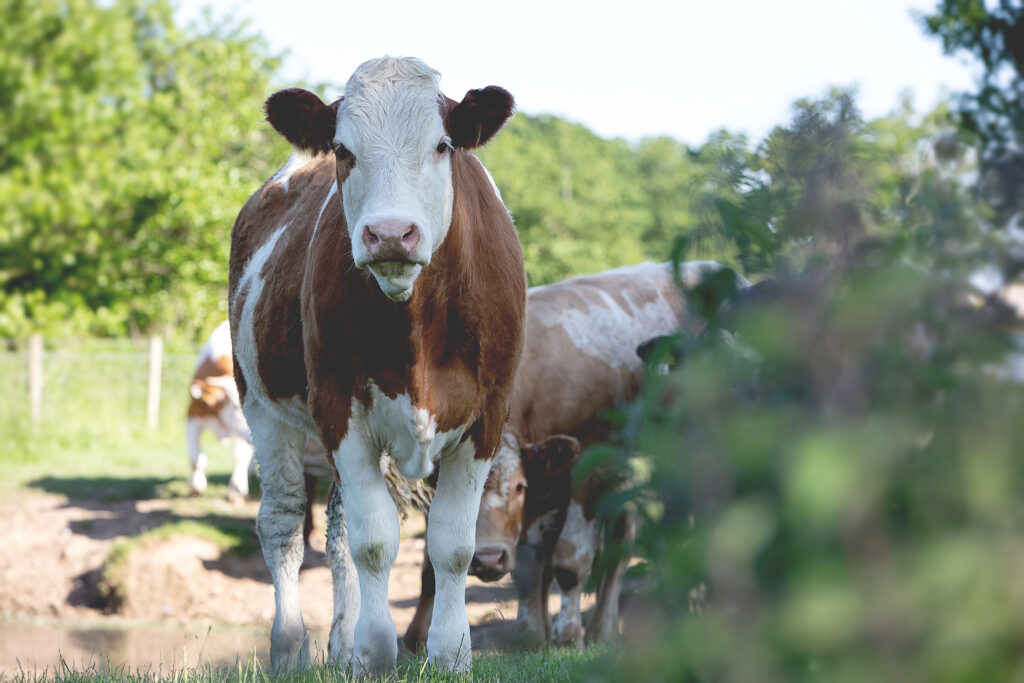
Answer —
993 115
574 196
126 147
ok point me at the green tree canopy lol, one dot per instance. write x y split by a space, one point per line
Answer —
126 147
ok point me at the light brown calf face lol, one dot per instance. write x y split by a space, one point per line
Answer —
523 484
501 514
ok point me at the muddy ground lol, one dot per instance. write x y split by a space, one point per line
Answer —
185 601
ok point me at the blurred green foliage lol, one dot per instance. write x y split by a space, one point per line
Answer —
829 476
991 115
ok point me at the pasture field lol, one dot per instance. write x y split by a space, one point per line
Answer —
109 559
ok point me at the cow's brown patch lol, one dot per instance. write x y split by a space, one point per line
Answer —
453 347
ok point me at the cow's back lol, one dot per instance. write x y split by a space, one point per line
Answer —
579 358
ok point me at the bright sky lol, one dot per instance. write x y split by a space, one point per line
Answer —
629 69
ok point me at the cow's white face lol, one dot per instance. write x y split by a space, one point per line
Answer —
394 160
393 136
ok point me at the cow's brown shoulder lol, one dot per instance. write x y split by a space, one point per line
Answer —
291 208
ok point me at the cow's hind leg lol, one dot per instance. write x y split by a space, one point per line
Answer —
451 536
279 525
416 636
373 534
344 580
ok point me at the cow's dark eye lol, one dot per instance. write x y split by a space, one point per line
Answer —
445 145
520 487
342 152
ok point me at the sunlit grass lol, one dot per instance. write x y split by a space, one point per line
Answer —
92 439
546 665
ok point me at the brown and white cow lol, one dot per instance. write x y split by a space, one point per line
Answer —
586 330
377 295
579 360
215 406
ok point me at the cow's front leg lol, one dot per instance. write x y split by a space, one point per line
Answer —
197 479
567 625
344 580
373 534
238 485
451 536
278 449
577 545
532 577
604 620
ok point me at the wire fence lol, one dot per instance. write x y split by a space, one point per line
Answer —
91 386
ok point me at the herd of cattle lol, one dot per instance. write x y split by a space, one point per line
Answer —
381 331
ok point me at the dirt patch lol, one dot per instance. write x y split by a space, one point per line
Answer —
54 549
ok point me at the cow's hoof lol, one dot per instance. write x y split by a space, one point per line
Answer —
530 639
197 482
414 642
567 633
376 652
235 498
289 654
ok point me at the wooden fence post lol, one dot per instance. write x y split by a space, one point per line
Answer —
156 350
35 376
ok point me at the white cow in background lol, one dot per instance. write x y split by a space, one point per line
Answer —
215 406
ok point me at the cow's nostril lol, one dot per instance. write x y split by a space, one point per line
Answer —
411 236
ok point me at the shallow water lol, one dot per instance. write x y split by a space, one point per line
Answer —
41 645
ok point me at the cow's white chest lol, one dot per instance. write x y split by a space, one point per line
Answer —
405 432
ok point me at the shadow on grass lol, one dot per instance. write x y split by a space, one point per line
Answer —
108 489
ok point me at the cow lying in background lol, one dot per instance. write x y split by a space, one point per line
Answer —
579 360
215 406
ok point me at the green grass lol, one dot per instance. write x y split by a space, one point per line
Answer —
545 665
92 440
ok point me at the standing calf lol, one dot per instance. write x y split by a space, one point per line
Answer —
215 406
376 295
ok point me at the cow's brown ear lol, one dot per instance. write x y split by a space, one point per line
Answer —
551 457
480 114
303 119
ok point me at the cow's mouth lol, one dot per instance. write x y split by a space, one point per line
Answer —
487 575
395 278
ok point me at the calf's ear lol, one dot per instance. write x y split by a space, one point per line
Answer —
480 114
303 119
551 457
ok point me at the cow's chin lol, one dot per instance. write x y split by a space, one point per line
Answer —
488 575
395 278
